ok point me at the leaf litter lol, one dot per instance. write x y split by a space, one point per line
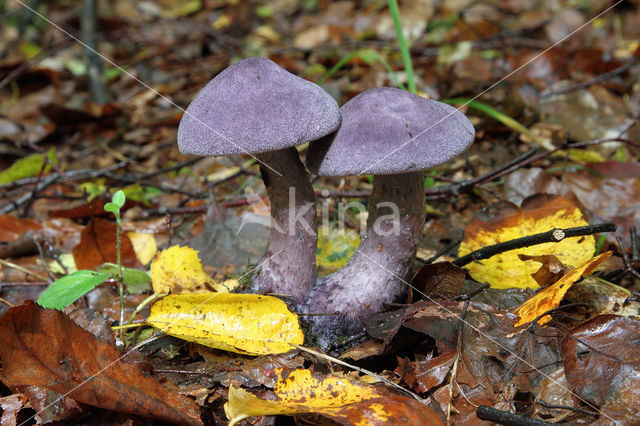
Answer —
61 151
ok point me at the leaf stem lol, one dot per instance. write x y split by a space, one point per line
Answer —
404 48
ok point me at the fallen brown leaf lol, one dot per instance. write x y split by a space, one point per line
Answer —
98 245
44 347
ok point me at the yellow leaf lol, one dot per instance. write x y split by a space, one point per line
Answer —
144 245
244 323
504 222
332 396
550 297
178 270
335 247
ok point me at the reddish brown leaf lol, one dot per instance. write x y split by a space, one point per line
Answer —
98 245
94 207
12 227
44 347
443 278
612 193
550 271
600 355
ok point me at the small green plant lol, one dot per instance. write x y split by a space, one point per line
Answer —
73 286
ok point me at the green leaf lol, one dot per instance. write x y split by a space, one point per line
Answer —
70 288
27 167
136 281
119 198
111 207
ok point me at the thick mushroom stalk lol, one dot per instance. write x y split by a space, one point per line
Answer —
394 135
256 107
380 268
289 264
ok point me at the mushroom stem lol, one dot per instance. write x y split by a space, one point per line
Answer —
288 265
380 268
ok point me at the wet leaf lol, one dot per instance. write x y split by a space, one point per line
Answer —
335 248
244 323
504 221
550 297
49 350
68 289
443 278
602 360
611 192
98 245
332 396
179 270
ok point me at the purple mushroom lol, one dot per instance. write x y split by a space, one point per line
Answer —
394 135
256 107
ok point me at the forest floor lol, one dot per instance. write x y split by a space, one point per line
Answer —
547 331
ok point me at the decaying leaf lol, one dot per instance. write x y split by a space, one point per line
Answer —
550 297
98 246
335 247
332 396
179 270
49 350
244 323
504 221
602 364
443 278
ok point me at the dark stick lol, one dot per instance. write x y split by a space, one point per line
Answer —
505 418
26 197
628 267
566 407
442 251
552 236
88 27
635 251
595 80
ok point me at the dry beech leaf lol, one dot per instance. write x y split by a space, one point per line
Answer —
98 245
443 278
332 396
550 297
179 270
244 323
504 222
550 271
48 349
12 227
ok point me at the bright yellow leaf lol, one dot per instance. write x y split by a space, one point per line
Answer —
332 396
550 297
335 247
244 323
179 270
505 222
144 245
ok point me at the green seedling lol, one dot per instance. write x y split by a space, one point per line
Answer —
70 288
115 205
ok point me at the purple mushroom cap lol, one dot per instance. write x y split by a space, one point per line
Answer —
256 106
386 131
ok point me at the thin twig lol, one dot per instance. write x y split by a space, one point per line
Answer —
553 236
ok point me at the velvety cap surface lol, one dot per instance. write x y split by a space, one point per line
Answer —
386 131
256 106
